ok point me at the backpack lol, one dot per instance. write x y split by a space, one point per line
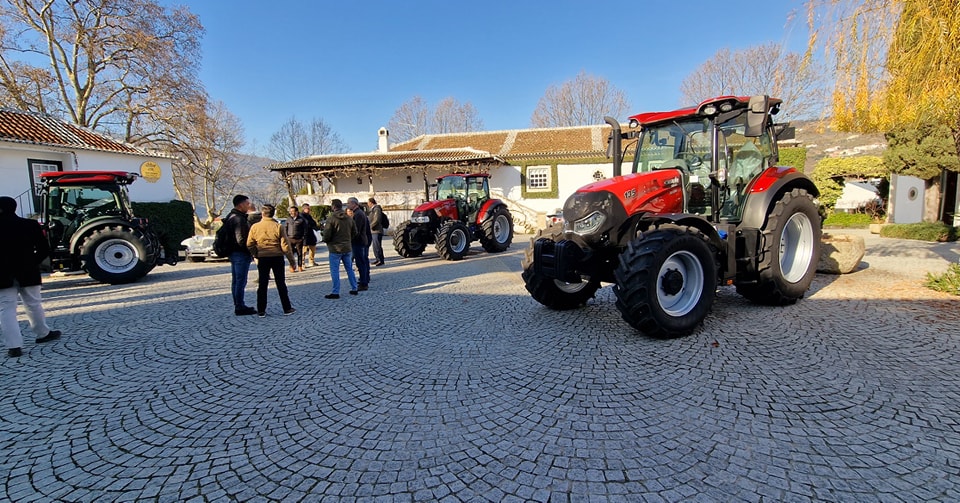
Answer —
384 221
222 242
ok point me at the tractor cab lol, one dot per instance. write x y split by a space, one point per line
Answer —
71 199
469 192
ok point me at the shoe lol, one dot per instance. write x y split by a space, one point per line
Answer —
293 269
262 315
15 352
51 336
378 264
353 292
301 269
362 288
332 296
288 312
245 311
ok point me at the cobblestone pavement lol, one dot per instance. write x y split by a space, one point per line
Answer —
447 382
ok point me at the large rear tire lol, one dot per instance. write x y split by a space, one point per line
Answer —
497 231
788 263
666 281
551 292
116 255
453 240
405 240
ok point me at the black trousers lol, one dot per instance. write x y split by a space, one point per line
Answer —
265 265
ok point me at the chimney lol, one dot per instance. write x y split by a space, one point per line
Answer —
382 144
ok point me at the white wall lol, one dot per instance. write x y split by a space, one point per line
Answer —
906 196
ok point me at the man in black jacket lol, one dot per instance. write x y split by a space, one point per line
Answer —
20 257
240 258
296 229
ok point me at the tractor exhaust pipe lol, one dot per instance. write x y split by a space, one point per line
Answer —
613 144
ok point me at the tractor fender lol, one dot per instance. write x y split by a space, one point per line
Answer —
486 209
768 189
644 222
88 227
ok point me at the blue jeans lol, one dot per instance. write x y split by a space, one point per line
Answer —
361 255
239 268
347 260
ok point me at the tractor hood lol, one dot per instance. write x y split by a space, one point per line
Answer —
442 208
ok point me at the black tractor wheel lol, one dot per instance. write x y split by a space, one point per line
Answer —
666 281
789 260
551 292
116 255
405 240
453 240
497 231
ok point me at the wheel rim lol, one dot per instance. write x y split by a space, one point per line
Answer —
412 243
501 228
796 247
565 287
458 240
116 256
680 283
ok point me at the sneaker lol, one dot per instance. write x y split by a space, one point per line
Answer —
288 312
262 314
245 311
332 296
353 292
15 352
51 336
362 288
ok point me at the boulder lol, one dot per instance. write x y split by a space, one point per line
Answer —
840 253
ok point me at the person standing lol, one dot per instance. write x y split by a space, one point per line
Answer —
238 228
376 230
361 243
268 243
310 239
338 233
296 228
24 248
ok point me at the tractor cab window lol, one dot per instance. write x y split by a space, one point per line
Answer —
746 157
72 202
478 191
452 187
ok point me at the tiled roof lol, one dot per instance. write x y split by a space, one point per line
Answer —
394 158
577 141
40 129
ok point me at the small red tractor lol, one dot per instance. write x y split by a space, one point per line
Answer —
461 212
89 223
705 205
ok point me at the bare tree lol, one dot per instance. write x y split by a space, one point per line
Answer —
411 120
295 139
453 117
584 100
764 69
414 118
110 62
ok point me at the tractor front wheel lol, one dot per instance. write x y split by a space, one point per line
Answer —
551 292
666 281
116 255
405 240
453 240
497 230
789 259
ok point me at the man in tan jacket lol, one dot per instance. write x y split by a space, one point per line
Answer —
269 245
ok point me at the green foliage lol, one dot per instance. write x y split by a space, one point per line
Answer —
173 222
793 156
922 151
831 172
934 232
848 220
948 282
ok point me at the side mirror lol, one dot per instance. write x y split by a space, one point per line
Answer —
757 115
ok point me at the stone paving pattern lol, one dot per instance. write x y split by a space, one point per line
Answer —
447 382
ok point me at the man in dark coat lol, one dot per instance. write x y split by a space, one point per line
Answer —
24 249
296 229
310 240
238 227
361 243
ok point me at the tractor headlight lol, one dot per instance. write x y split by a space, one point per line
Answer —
422 219
589 224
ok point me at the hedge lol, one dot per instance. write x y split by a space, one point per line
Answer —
172 222
830 174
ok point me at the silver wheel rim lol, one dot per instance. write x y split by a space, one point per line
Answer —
690 270
501 228
796 248
116 256
458 240
565 287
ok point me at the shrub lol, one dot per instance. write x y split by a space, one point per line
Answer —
173 222
793 156
922 232
948 282
848 220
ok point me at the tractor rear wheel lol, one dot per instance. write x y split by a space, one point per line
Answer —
116 255
788 263
497 230
666 281
551 292
453 240
405 240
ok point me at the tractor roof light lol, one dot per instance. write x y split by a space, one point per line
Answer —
634 123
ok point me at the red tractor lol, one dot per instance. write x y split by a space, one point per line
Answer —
461 212
90 225
705 205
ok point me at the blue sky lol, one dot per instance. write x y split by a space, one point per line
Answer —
353 63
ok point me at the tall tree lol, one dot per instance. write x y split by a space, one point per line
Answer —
763 69
584 100
451 116
414 118
295 139
108 63
409 121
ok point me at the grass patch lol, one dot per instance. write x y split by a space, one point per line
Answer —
848 221
933 232
948 282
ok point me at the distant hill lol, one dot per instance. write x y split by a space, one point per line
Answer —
821 142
